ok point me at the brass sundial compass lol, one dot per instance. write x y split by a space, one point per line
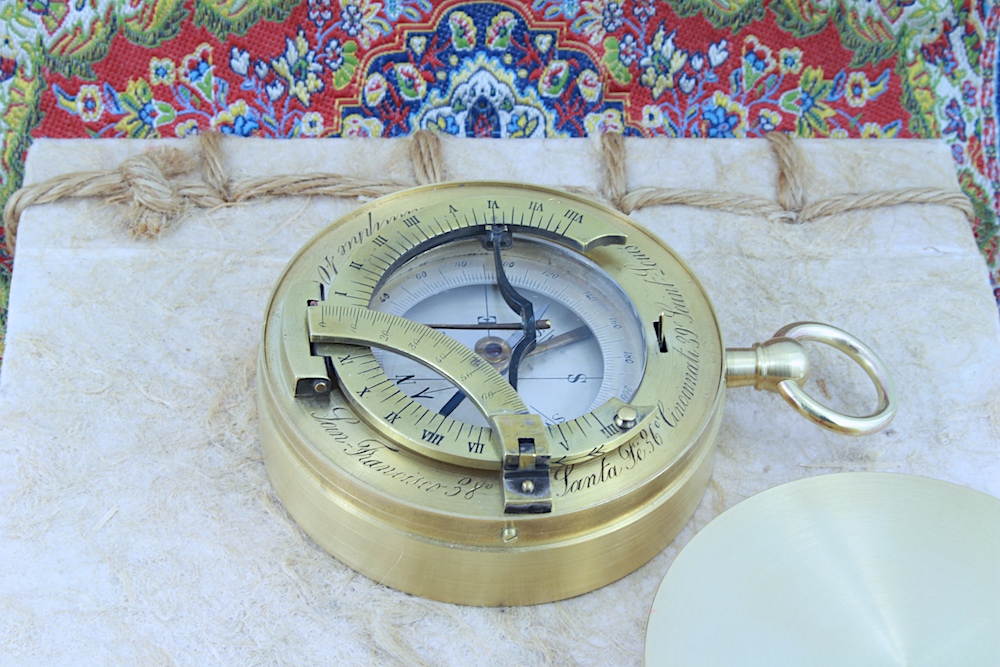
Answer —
496 394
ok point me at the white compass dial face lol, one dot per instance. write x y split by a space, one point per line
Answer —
591 351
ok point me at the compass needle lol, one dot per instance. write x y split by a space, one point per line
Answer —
500 360
561 340
576 477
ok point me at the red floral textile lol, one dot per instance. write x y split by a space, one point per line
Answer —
679 68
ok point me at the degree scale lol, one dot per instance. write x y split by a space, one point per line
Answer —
497 394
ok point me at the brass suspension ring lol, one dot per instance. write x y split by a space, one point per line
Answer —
818 413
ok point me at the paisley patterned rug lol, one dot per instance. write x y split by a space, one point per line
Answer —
360 68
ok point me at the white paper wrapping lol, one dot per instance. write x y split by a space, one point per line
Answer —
137 523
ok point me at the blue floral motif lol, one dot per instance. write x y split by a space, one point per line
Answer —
530 84
242 126
147 114
756 62
198 72
484 106
613 17
956 125
393 9
720 124
163 72
958 153
628 50
567 8
969 93
410 9
350 18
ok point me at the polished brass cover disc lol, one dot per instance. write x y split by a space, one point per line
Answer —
528 497
847 569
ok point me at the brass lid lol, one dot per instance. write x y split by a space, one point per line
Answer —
845 569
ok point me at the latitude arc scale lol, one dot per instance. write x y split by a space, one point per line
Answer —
500 394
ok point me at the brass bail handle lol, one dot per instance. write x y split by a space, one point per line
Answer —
781 365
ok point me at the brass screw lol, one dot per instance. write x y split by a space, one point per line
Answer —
527 486
626 417
321 386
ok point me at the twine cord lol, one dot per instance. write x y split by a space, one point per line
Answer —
722 201
425 154
213 173
155 198
791 171
856 202
615 186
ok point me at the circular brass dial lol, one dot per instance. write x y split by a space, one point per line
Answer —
371 473
467 215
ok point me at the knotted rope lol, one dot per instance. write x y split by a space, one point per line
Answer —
791 203
155 196
791 171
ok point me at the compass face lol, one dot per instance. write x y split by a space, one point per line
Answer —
594 323
591 350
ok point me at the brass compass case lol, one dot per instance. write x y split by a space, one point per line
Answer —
468 513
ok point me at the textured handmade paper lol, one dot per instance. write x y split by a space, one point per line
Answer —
137 522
